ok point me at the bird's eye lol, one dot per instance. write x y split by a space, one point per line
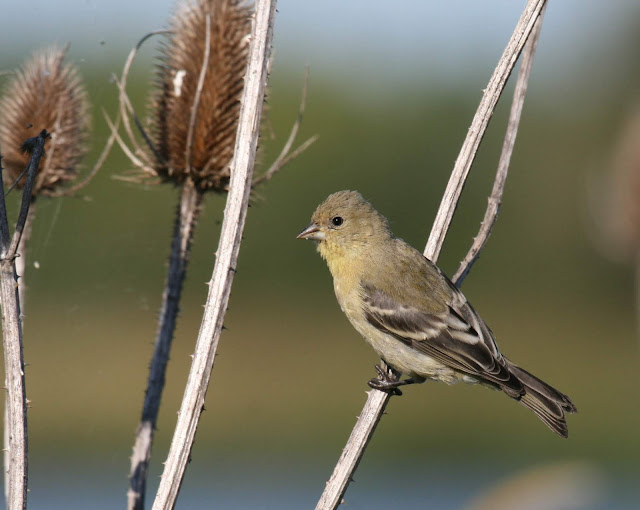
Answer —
337 220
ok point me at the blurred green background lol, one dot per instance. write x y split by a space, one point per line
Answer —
391 96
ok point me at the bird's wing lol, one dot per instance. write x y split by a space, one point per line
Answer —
456 337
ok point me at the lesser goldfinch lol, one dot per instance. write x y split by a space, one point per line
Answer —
412 314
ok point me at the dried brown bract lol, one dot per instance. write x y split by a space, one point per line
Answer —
45 93
197 103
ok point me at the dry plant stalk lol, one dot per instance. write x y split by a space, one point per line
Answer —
226 256
377 400
16 400
194 120
479 126
495 199
195 111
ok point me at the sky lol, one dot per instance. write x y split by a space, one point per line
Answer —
357 38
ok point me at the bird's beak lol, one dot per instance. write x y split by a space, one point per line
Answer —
312 232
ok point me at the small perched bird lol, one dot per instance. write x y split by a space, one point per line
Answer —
412 315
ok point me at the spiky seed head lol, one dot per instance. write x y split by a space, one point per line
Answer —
45 93
207 161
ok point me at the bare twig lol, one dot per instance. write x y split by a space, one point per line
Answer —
291 156
495 199
478 127
17 181
125 148
377 400
285 155
17 447
126 109
227 255
125 103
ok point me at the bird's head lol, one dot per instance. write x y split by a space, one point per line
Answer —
345 223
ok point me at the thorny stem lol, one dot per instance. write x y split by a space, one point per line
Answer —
186 218
21 263
495 199
16 400
479 126
377 400
226 256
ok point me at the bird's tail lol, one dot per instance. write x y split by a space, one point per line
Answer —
547 402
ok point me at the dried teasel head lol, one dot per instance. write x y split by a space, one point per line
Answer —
45 93
197 103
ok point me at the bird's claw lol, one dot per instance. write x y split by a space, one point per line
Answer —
385 382
382 373
377 384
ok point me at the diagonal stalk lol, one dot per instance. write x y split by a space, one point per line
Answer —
377 401
495 199
186 218
235 214
16 398
479 126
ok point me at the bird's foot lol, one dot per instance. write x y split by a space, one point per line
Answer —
389 387
387 381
